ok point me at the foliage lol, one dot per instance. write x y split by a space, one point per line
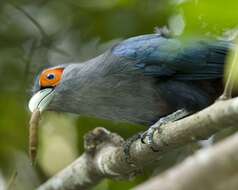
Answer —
71 31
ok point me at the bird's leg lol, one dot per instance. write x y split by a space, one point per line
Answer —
179 114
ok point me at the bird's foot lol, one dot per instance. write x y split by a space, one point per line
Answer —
147 136
127 145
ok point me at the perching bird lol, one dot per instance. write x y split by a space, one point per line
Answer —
139 80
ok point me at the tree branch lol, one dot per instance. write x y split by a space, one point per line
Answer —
104 156
33 20
214 168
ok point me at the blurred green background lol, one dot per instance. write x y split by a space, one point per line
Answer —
37 34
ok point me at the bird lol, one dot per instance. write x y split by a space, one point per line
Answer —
149 79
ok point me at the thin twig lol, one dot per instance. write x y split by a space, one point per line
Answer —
227 93
46 40
33 20
28 62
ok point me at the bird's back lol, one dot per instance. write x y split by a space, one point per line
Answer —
144 78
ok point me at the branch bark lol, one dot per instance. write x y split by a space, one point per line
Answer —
104 155
214 168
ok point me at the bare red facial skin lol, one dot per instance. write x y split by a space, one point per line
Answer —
51 77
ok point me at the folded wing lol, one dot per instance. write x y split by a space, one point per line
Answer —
188 59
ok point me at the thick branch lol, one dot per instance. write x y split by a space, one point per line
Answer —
214 168
105 157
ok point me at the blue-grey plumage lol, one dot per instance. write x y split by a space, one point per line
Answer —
143 78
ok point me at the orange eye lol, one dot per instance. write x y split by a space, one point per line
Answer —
51 77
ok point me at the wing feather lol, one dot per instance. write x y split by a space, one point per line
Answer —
158 56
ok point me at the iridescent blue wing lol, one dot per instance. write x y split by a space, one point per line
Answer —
159 56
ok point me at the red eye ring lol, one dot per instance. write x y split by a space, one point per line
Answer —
51 77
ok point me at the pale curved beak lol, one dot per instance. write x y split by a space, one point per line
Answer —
41 99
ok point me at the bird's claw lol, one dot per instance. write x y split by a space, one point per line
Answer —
147 136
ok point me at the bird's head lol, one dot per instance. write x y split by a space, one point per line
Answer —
44 88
